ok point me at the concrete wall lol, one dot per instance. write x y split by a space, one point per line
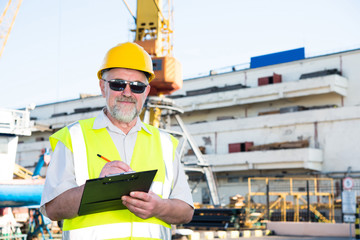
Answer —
8 147
312 229
325 129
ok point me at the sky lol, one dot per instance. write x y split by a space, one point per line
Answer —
56 47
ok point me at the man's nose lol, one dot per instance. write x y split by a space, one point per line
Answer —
127 90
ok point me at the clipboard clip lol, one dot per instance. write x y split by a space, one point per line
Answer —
130 176
117 174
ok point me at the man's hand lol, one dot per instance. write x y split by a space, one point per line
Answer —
142 204
146 205
114 167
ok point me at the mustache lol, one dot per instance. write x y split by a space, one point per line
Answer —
125 99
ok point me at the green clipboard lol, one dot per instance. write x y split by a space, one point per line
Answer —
104 194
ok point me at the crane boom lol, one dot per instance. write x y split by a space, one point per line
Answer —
153 30
7 20
154 34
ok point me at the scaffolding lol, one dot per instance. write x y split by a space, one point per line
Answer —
290 199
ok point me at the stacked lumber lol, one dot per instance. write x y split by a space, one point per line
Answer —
191 152
237 201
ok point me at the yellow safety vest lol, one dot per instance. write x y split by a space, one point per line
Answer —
152 151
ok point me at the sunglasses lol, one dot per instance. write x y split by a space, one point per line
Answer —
120 85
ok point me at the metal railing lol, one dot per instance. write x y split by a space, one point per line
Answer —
290 199
15 122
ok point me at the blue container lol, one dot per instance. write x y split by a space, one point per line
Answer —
21 193
276 58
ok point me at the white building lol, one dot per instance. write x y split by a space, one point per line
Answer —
320 111
13 123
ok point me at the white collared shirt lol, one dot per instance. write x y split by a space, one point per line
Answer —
124 143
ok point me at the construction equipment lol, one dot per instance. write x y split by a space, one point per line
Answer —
154 33
7 20
217 218
273 195
22 172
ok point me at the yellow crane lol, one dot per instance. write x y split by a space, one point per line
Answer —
153 29
154 33
7 20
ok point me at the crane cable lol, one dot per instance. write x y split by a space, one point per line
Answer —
128 8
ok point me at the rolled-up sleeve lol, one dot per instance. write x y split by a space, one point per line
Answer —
181 189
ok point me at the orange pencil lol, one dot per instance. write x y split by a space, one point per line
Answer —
103 158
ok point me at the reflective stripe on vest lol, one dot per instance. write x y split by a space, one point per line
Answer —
167 149
79 152
140 230
149 228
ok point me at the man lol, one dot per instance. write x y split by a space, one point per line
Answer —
118 134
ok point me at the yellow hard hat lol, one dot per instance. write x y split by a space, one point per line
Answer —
128 55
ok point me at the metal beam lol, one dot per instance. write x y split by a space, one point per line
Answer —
210 179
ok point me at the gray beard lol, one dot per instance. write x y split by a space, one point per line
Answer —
119 114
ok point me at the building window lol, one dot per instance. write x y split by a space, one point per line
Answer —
39 139
233 179
205 196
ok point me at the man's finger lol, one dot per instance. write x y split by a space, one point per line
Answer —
114 167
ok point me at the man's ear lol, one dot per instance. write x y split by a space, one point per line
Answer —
147 90
102 87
